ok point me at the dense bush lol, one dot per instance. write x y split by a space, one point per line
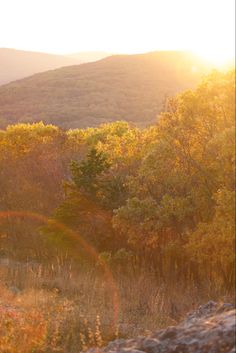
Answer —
164 194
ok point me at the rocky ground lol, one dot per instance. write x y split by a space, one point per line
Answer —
210 329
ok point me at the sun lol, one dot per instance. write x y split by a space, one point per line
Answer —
219 57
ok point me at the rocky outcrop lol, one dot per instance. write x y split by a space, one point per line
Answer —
210 329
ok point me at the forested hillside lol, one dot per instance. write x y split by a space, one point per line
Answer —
134 225
124 87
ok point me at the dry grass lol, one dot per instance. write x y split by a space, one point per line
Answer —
59 308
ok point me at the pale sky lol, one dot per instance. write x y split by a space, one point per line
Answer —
118 26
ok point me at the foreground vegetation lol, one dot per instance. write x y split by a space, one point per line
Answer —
63 309
114 226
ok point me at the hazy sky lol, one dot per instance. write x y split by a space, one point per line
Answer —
130 26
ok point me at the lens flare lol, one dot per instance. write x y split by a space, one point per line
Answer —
112 286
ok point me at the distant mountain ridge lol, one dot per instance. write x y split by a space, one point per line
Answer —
128 87
17 64
89 56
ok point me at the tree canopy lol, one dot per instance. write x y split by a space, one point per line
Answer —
164 194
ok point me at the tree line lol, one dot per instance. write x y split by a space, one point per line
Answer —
160 198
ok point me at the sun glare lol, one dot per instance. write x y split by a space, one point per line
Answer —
218 57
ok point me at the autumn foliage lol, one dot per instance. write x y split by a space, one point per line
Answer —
160 198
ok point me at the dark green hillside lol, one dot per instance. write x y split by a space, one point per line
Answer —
130 87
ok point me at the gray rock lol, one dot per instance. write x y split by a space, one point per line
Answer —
150 345
126 350
210 329
225 307
170 332
233 350
203 311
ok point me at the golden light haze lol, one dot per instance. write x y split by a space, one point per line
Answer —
120 26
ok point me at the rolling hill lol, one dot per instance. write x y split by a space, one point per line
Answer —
89 56
17 64
128 87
